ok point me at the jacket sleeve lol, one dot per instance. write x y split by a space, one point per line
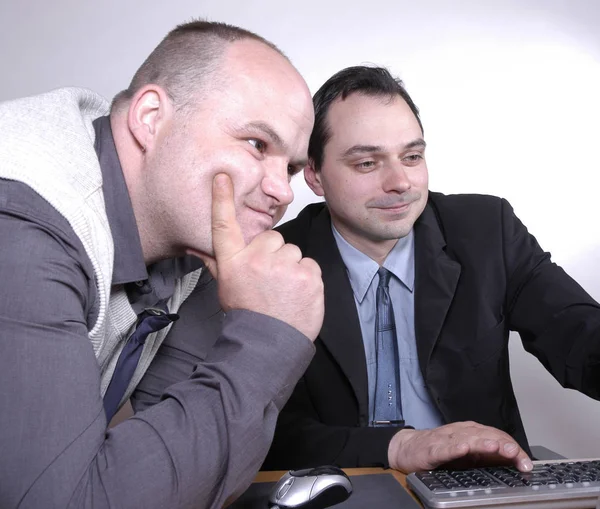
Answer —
558 321
200 446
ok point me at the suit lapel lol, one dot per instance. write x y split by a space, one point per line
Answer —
436 277
341 333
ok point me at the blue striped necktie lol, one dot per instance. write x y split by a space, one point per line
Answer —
388 404
149 321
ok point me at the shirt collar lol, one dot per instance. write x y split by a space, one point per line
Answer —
129 262
362 269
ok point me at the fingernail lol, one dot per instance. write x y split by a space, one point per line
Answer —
510 447
489 443
526 464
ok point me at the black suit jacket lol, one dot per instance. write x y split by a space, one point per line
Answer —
478 275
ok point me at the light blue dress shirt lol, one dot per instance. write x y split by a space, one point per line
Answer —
417 407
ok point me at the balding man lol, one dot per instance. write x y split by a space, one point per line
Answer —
103 216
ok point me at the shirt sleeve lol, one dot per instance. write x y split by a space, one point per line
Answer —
198 447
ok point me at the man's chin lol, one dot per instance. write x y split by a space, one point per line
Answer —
394 231
254 231
255 222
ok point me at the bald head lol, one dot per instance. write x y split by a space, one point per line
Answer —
210 99
187 62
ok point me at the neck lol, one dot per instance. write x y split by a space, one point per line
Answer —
377 250
131 158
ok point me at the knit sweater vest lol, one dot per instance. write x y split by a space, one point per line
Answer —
47 143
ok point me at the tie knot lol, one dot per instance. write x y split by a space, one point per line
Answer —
384 277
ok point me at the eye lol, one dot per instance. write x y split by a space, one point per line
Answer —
259 145
413 159
365 165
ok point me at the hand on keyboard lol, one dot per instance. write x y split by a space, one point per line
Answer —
461 444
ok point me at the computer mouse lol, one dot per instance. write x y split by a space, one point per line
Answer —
311 488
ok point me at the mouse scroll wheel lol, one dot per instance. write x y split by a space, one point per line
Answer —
284 488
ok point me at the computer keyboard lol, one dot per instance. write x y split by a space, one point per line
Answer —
560 484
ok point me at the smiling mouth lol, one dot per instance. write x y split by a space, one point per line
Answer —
265 212
398 207
266 215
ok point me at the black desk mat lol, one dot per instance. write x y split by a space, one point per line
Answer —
377 491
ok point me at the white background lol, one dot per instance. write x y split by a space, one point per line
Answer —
509 93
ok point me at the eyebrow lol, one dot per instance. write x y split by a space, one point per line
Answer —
365 149
274 138
266 130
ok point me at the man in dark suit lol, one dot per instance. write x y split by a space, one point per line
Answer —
463 271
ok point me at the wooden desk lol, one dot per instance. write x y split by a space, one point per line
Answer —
274 476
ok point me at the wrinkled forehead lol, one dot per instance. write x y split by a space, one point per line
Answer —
262 85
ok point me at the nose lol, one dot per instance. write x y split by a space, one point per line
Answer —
276 184
396 178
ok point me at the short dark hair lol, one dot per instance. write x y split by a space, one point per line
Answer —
185 58
367 80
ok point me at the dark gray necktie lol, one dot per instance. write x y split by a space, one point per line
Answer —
149 321
388 404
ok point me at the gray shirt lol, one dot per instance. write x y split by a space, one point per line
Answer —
417 408
196 448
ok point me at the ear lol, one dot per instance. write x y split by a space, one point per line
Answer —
150 110
313 179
